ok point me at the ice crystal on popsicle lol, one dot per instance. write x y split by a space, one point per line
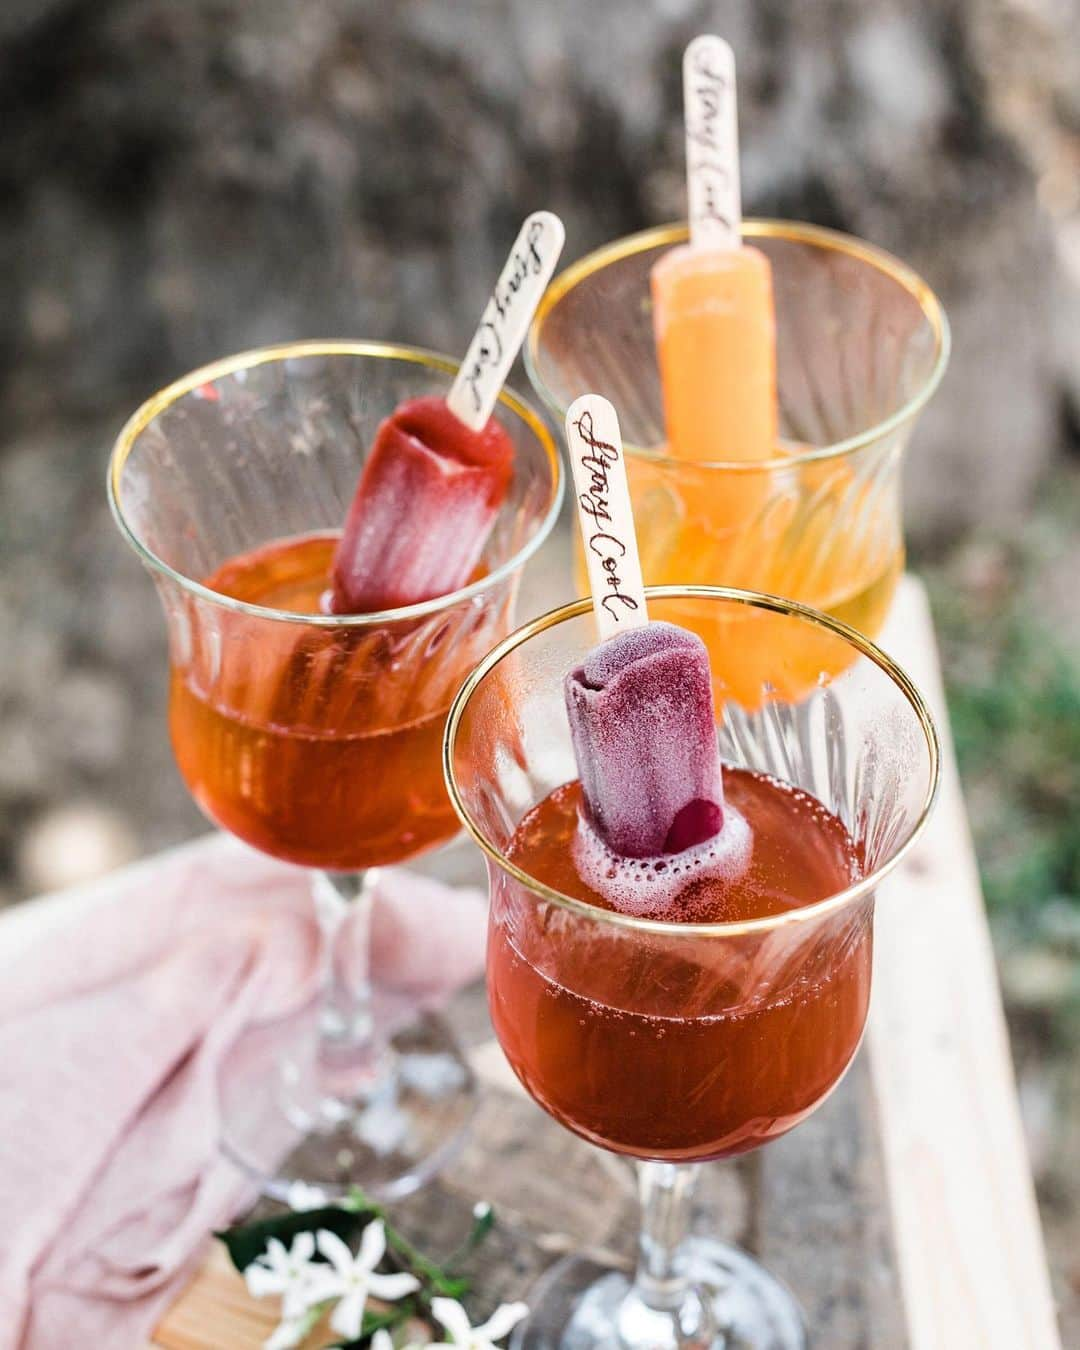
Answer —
423 510
644 736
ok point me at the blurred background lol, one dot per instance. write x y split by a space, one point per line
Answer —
180 179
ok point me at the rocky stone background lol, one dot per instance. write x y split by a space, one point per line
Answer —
184 178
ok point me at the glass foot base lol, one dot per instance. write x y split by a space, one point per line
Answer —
386 1124
582 1305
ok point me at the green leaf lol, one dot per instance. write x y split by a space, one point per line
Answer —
245 1242
387 1320
434 1279
359 1202
483 1223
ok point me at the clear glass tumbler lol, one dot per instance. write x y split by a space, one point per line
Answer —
316 737
680 1043
862 343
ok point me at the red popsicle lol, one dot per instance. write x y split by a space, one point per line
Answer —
441 468
425 505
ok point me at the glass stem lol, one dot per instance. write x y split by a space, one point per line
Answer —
662 1310
666 1192
343 901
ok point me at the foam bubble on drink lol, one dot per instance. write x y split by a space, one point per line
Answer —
649 888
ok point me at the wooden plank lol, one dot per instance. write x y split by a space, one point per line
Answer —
823 1221
965 1220
216 1311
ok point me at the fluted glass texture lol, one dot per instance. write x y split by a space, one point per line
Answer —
685 1042
313 737
861 344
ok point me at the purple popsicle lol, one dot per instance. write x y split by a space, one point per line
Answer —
644 735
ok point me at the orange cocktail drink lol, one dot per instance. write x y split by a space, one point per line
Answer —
320 745
861 344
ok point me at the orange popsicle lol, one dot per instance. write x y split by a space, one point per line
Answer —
712 300
716 345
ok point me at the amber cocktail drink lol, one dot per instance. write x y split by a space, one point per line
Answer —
664 1075
314 734
321 747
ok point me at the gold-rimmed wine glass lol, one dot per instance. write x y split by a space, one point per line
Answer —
315 737
672 1043
862 344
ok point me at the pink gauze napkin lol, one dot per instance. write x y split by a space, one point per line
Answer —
114 1021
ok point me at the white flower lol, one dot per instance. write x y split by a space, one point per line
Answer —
287 1334
352 1278
382 1340
284 1272
459 1333
302 1198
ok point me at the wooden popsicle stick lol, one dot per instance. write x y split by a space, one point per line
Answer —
712 144
506 319
605 515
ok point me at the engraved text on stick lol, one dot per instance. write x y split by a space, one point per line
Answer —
594 502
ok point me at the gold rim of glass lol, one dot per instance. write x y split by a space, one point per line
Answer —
229 365
797 231
757 600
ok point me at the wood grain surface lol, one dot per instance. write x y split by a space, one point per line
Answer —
965 1221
